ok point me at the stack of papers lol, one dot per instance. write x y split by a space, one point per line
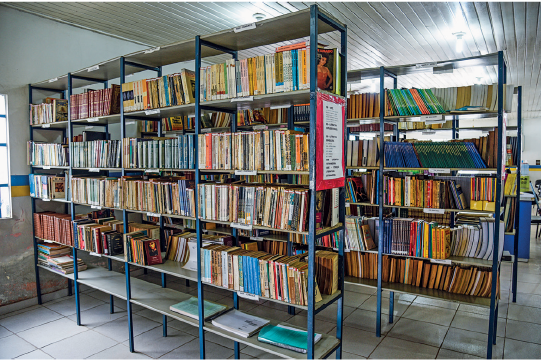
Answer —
240 323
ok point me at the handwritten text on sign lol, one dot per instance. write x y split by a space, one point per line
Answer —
333 134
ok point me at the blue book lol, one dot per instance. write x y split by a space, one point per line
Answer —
32 186
166 92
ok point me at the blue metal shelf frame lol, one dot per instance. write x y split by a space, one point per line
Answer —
517 199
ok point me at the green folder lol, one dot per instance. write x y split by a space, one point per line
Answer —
190 308
286 337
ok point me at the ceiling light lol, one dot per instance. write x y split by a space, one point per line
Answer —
259 16
459 41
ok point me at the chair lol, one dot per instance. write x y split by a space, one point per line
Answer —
537 218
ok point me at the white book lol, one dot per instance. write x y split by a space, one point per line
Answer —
349 157
335 205
240 323
453 98
488 254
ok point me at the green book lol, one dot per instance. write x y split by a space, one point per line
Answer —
190 308
286 337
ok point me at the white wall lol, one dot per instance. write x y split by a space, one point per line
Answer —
35 49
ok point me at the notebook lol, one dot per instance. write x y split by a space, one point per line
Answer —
240 323
286 337
190 308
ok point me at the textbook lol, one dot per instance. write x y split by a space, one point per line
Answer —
190 308
240 323
286 337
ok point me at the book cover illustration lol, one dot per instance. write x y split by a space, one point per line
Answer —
152 251
325 69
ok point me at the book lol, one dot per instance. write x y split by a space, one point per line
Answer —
190 308
262 116
51 111
47 154
286 337
96 154
47 186
159 152
95 103
240 323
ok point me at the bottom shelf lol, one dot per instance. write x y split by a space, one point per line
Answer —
158 299
420 291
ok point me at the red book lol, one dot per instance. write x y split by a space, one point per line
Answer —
152 252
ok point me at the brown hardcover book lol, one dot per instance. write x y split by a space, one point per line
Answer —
443 277
410 271
438 276
433 275
426 274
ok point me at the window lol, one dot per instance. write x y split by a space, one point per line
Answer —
5 192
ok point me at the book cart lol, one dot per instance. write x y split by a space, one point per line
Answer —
495 59
310 22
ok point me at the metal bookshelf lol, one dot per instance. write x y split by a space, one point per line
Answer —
310 22
516 237
495 59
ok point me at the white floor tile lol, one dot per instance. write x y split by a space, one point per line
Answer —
118 329
396 348
13 346
80 346
51 332
153 344
35 355
118 352
419 332
26 320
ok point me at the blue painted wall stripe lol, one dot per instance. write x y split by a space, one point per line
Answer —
19 180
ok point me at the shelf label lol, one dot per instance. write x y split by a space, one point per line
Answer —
347 204
243 99
426 65
149 51
48 125
248 296
241 226
245 172
260 127
153 111
439 170
206 130
92 120
92 68
95 254
130 122
150 214
89 126
434 210
46 167
95 207
432 117
256 238
45 199
129 75
431 122
191 115
441 261
152 171
94 170
245 27
429 132
280 106
53 80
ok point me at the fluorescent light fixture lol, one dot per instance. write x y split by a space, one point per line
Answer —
459 41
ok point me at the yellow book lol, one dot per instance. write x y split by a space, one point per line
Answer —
476 205
425 240
489 206
447 242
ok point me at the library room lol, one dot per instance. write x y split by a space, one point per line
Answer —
270 180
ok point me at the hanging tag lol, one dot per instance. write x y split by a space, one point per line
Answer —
432 117
95 254
256 238
248 296
433 210
441 261
89 126
94 170
46 167
241 226
53 80
92 120
191 115
245 172
153 111
426 65
439 170
149 51
46 125
260 127
280 106
429 132
206 130
130 122
150 214
152 171
95 207
92 68
241 28
348 204
243 99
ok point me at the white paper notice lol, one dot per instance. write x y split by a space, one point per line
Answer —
333 134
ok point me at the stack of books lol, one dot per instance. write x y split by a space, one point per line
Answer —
448 155
47 186
63 265
363 153
53 110
483 193
164 91
47 154
96 154
359 235
96 191
95 103
476 97
190 308
412 101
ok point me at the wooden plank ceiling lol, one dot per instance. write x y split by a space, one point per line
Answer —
385 33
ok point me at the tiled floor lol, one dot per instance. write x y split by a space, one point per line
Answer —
422 328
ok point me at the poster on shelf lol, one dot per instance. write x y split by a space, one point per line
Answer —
330 123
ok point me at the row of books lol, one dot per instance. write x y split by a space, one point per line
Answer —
459 279
54 227
47 154
358 234
159 152
509 214
47 186
95 103
366 105
282 71
458 154
142 248
371 128
96 154
164 91
268 206
96 191
479 96
512 151
283 278
400 154
363 153
62 264
510 186
259 150
412 101
487 147
171 124
262 116
51 111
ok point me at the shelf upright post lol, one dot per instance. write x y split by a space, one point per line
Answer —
200 299
396 135
290 126
380 194
72 205
517 200
495 259
33 202
312 184
124 212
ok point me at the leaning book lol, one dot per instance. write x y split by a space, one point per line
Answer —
190 308
286 337
240 323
